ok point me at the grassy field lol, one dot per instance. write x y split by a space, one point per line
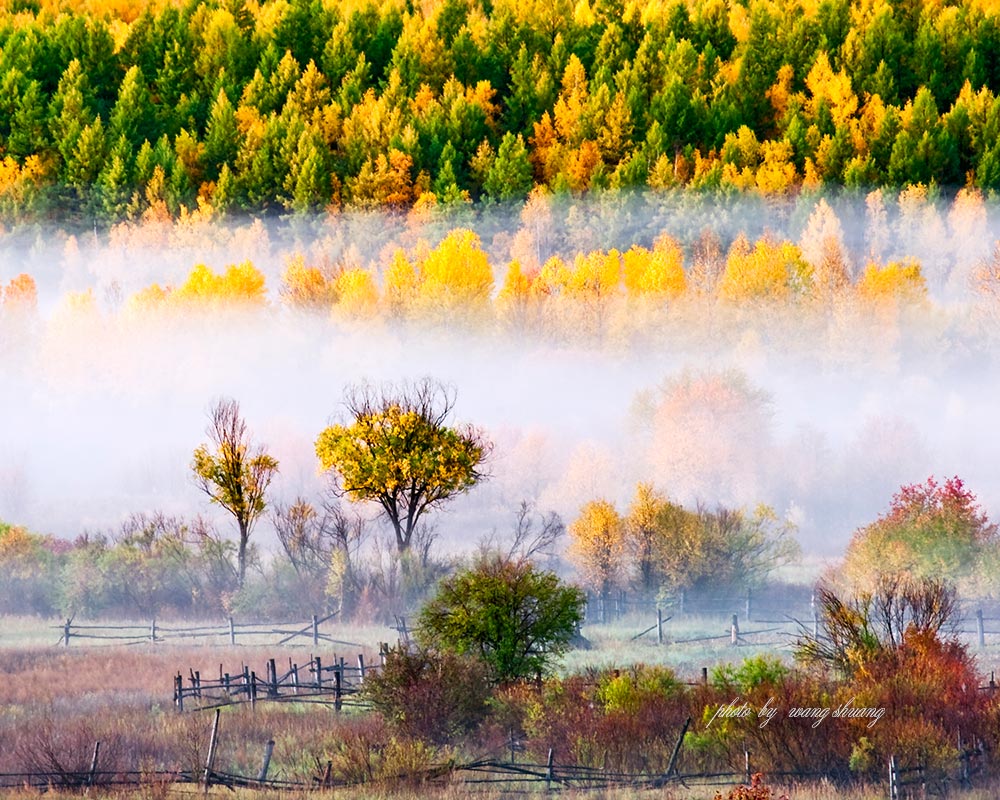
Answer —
55 702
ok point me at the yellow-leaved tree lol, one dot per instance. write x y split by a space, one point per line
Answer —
455 280
401 285
306 287
597 545
894 284
20 296
518 304
241 285
656 273
766 271
357 294
397 450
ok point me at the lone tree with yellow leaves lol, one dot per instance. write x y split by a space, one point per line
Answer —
234 472
400 452
597 545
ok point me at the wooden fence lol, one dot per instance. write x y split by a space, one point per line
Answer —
230 631
489 773
978 625
333 682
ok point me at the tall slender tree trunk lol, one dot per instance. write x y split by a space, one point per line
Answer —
241 565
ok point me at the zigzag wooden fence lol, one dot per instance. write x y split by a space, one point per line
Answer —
334 682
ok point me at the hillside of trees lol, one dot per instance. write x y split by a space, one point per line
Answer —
117 110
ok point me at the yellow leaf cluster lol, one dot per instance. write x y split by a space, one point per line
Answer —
307 287
657 273
240 285
895 283
768 271
357 294
597 544
455 278
21 294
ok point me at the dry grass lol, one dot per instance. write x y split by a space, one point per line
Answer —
56 702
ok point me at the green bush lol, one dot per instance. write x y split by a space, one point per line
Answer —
514 617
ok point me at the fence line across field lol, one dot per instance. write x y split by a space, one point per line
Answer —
743 611
154 632
903 781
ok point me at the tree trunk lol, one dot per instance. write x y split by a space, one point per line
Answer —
241 565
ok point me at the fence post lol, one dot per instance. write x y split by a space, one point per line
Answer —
152 631
268 750
66 632
746 761
734 631
549 771
93 764
212 744
893 787
361 668
232 631
179 692
315 630
319 673
659 626
338 686
253 689
295 679
704 676
980 629
273 688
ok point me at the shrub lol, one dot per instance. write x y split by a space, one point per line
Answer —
434 696
931 530
514 617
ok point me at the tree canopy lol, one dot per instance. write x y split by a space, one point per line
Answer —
397 450
234 472
512 615
932 530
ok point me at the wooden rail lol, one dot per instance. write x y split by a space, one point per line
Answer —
334 682
231 631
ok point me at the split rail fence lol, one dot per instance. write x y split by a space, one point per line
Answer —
491 773
334 682
978 625
230 631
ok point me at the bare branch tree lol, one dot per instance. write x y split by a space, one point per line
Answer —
527 539
857 630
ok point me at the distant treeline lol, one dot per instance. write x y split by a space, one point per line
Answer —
108 112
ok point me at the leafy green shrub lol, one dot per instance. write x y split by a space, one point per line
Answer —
514 617
629 691
751 673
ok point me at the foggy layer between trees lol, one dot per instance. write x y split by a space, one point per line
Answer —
821 415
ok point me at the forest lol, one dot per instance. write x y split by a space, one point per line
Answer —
116 110
587 367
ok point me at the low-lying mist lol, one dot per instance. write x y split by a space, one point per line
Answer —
821 415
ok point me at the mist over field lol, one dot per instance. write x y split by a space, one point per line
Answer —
101 409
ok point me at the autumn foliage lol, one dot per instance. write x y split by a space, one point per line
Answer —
931 530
